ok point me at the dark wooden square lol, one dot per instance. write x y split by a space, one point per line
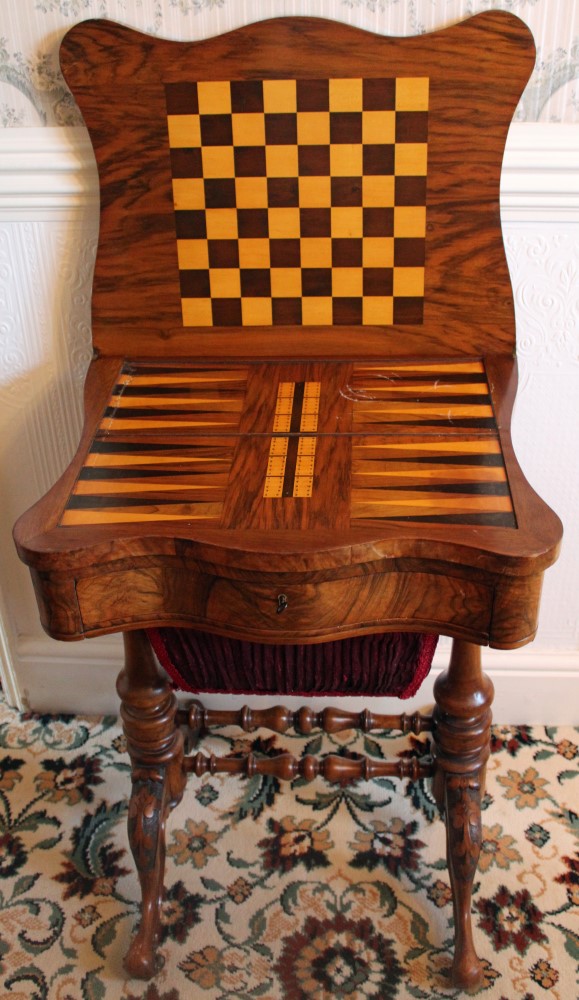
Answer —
346 126
223 253
182 99
220 192
315 221
285 253
313 95
281 129
195 284
286 312
347 310
346 191
256 282
186 163
378 159
409 251
253 223
317 281
314 161
191 224
246 96
249 161
226 312
283 192
378 280
408 310
378 222
379 94
347 252
411 126
410 190
216 130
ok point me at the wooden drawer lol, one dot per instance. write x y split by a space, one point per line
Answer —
349 605
315 610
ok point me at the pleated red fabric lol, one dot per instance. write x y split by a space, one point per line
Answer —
389 663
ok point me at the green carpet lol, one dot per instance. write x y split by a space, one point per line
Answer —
281 892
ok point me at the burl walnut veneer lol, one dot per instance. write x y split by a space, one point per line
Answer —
297 416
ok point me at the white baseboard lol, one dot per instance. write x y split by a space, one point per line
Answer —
7 672
532 686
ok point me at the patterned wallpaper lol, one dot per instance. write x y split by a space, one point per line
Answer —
32 91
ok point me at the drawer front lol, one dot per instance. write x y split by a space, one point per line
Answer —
286 612
342 606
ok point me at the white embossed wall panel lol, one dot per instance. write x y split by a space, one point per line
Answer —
544 264
45 280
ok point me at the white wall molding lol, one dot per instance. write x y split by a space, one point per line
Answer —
45 172
540 180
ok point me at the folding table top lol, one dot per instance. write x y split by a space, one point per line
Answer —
300 188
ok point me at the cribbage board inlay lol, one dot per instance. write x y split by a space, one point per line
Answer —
233 445
300 202
290 469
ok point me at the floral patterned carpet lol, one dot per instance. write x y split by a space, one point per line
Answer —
279 892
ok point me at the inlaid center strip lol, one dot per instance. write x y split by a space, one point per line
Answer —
290 468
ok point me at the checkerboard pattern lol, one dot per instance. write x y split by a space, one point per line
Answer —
300 202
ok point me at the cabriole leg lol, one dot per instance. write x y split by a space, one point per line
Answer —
155 745
461 731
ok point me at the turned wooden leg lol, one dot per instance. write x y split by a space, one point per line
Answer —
155 745
461 731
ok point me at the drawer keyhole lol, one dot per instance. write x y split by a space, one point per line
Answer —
281 603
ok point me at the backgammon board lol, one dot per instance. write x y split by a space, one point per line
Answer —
296 445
